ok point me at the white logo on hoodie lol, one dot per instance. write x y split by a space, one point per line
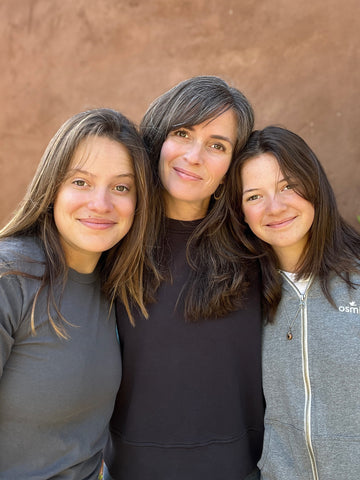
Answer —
351 308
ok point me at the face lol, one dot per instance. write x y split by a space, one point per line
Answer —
94 207
273 210
193 162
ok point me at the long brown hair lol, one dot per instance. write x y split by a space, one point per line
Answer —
218 277
333 245
121 267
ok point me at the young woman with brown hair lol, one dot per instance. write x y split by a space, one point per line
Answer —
74 245
310 259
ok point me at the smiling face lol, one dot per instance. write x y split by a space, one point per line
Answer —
274 211
94 207
193 162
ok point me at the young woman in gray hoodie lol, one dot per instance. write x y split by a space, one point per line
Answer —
311 295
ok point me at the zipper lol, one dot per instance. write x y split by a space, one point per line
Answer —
306 374
307 385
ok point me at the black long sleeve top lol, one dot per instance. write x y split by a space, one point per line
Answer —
190 406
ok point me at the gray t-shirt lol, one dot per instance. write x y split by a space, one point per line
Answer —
56 395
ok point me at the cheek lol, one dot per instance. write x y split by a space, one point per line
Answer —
244 212
251 217
60 206
66 206
170 150
306 208
126 207
166 152
218 169
60 217
66 201
161 166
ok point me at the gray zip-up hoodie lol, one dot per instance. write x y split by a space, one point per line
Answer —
312 385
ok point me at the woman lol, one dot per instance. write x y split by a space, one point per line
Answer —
190 404
63 261
311 345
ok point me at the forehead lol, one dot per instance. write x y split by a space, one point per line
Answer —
224 124
258 163
260 171
100 150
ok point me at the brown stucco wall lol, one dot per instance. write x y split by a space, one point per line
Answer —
298 63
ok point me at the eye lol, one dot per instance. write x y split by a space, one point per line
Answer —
181 133
121 188
289 186
79 183
253 197
218 146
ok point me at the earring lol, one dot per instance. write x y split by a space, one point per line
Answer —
218 195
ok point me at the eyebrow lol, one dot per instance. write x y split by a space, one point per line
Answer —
85 172
216 137
221 137
250 190
259 188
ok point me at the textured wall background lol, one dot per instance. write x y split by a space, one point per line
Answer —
298 63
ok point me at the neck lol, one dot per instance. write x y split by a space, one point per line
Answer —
186 211
288 260
82 265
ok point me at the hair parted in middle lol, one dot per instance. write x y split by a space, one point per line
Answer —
333 245
190 103
121 267
212 251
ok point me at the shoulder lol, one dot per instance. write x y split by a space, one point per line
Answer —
357 267
24 254
354 276
21 265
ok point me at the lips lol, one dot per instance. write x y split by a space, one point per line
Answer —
186 174
97 223
281 223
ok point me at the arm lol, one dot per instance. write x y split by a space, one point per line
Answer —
11 302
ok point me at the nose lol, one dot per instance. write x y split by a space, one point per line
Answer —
275 205
194 154
100 201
